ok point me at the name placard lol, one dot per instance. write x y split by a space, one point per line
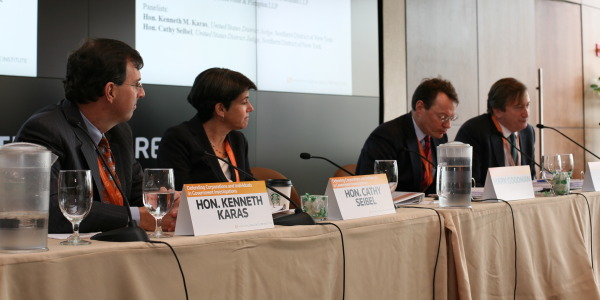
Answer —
211 208
591 180
358 196
508 183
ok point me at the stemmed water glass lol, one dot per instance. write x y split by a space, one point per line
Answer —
550 165
159 196
566 163
390 169
75 200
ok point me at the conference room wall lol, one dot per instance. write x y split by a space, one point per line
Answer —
441 40
472 44
394 57
491 39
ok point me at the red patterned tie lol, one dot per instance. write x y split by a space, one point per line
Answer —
110 193
427 168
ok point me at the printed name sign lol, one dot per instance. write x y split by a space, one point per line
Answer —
508 183
591 180
358 196
211 208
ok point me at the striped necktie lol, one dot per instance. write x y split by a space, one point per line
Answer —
111 193
427 168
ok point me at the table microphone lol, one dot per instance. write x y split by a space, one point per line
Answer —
305 155
298 218
132 232
540 126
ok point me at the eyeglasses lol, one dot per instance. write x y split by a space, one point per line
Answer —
445 118
137 85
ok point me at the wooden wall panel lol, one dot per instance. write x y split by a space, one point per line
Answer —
558 39
590 20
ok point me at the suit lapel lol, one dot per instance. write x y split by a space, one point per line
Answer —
497 149
86 146
497 144
413 147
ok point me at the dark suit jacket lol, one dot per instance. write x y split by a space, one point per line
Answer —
61 129
488 146
388 141
182 148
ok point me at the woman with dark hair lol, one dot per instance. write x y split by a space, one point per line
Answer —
221 98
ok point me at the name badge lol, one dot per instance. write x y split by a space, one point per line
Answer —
508 183
212 208
591 180
358 196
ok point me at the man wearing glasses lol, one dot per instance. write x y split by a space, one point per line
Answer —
507 113
88 130
412 139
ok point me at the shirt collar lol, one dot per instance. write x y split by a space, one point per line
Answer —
420 134
505 131
94 133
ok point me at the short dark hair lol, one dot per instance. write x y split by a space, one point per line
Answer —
94 64
428 90
503 92
217 85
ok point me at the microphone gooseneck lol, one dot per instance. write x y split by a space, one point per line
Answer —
522 153
420 155
305 155
298 218
132 232
540 126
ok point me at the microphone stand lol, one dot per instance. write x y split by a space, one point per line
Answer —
540 126
305 155
130 233
298 218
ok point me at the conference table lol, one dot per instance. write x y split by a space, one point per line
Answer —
420 252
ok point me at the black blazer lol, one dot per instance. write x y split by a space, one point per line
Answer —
488 146
388 141
182 148
61 129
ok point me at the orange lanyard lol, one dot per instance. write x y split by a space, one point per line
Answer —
231 157
506 145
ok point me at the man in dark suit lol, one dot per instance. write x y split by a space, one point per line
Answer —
507 113
412 139
102 88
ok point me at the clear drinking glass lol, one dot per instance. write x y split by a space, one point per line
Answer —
566 163
159 196
75 200
550 165
390 169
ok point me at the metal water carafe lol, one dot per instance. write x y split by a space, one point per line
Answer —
454 174
25 171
